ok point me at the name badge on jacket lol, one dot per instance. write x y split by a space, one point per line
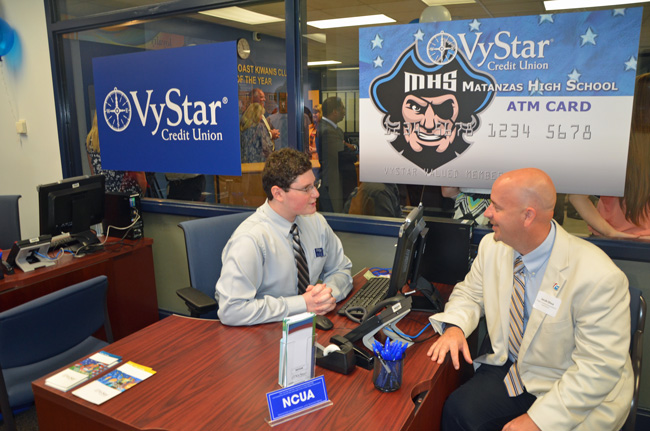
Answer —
547 304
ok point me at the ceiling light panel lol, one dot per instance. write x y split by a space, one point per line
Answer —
355 21
322 63
577 4
242 15
446 2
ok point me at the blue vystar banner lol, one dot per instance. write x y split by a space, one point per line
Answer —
458 103
293 399
173 110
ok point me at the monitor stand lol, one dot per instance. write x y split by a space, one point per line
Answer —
430 301
87 237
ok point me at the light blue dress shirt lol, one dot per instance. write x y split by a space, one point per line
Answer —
535 264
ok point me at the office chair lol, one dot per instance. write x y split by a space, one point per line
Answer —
205 239
44 334
10 216
638 308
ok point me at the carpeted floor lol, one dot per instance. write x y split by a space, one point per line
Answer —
25 421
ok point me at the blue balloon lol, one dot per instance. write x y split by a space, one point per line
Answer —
6 37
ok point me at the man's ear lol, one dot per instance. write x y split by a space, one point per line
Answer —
529 216
277 193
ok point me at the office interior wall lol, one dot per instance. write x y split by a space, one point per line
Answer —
169 258
26 92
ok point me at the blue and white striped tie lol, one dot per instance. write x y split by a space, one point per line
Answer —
513 382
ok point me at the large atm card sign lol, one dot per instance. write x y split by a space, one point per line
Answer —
458 103
173 110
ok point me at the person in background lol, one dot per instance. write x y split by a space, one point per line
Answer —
557 310
376 199
186 187
313 128
116 181
259 279
629 216
256 144
308 124
329 144
469 204
279 120
258 96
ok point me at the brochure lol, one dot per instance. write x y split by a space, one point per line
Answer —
82 371
114 383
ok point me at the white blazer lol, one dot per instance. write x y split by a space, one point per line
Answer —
577 363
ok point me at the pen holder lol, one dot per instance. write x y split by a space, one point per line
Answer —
387 375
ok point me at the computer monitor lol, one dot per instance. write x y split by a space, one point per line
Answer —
411 263
409 251
71 205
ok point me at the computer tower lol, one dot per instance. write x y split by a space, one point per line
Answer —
122 210
447 251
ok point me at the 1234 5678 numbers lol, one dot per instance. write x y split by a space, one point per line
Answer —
553 131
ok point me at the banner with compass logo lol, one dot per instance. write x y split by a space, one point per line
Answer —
173 110
457 103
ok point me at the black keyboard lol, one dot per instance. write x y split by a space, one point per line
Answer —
370 294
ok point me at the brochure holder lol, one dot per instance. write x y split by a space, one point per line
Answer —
27 254
297 349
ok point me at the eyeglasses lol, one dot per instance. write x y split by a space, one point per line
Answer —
309 188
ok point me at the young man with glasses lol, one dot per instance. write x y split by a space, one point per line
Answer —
259 281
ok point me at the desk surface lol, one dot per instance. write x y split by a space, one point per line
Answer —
68 263
211 376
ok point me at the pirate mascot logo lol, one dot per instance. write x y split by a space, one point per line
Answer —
431 108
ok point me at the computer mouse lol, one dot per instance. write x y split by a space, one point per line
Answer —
323 323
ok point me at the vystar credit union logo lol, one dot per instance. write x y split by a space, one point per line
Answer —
177 119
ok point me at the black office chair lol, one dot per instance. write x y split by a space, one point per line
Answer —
205 239
638 308
10 216
45 334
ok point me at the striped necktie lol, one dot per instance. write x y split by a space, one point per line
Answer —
301 261
513 382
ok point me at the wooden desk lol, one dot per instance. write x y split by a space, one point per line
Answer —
211 376
132 300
